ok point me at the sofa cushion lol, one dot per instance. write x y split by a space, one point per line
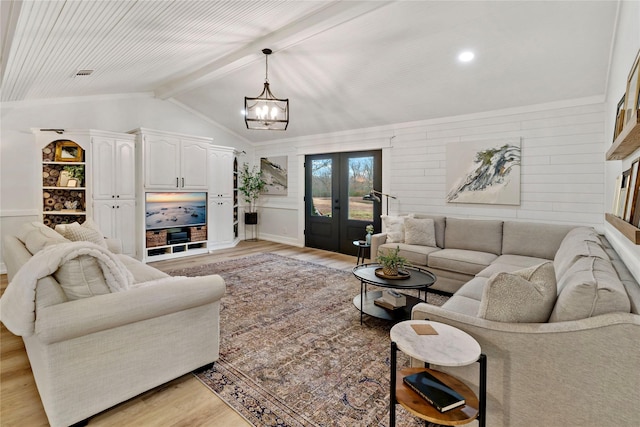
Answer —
524 296
394 227
463 305
86 232
532 238
81 277
576 245
419 232
473 235
589 287
141 272
509 264
473 289
439 225
36 236
460 261
415 254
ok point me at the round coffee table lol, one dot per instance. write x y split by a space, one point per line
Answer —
419 279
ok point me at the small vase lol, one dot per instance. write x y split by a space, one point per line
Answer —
367 238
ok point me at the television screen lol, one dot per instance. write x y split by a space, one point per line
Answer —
165 210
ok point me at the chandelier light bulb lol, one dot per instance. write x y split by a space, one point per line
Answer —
466 56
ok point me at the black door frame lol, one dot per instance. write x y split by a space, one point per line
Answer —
337 232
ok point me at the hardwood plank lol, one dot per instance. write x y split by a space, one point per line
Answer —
184 401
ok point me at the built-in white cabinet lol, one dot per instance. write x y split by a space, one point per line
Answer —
221 231
116 218
114 167
221 172
174 161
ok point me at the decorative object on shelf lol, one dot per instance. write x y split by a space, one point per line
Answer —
251 185
73 183
71 205
266 112
484 172
274 172
369 230
373 197
618 124
68 151
392 262
631 104
74 172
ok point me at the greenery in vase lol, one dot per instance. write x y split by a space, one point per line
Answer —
391 261
75 172
369 229
251 185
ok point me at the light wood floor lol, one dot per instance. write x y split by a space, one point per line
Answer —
181 402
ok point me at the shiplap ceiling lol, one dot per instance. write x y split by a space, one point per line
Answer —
343 64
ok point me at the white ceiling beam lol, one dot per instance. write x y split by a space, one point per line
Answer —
336 13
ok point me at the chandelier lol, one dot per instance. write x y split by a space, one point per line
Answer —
266 112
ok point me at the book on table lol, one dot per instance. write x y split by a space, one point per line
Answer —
437 393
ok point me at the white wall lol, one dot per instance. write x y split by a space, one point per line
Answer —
562 174
20 160
625 48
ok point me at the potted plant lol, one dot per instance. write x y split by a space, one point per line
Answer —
391 262
251 185
369 230
75 172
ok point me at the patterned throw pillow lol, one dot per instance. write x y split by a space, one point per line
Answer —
524 296
420 232
87 232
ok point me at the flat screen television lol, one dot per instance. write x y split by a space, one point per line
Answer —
168 210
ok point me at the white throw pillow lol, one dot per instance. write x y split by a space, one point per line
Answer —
394 227
420 232
524 296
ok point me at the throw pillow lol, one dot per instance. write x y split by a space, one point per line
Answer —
394 227
419 232
81 277
36 236
87 232
524 296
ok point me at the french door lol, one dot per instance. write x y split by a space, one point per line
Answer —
335 212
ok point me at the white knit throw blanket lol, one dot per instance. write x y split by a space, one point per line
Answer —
18 306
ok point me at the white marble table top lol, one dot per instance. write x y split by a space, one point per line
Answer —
451 347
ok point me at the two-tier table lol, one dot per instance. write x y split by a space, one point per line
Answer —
442 345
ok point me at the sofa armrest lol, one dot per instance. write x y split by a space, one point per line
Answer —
376 241
573 358
89 315
114 245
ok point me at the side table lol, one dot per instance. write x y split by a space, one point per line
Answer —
449 347
363 248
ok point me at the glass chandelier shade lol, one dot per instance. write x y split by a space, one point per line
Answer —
266 112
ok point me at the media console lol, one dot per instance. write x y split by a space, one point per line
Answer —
176 241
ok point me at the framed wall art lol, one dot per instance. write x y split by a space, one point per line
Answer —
275 174
633 86
618 124
68 151
485 172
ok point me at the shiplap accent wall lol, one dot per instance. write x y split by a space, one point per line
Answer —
562 171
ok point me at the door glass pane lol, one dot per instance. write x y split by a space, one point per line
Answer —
360 184
321 187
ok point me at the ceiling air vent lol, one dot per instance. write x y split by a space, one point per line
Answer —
81 73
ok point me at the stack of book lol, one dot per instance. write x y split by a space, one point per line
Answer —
434 391
391 300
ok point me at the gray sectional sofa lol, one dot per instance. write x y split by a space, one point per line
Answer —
90 345
553 307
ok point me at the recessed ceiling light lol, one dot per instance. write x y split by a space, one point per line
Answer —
466 56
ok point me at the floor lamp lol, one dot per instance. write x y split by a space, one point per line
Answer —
373 197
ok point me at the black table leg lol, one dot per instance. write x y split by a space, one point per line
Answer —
482 406
392 381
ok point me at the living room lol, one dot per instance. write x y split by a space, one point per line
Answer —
565 178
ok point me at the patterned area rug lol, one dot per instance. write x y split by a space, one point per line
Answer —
293 352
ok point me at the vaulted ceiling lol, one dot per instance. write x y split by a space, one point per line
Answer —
343 64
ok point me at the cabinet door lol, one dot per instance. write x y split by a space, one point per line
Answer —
162 162
221 171
103 167
125 224
103 215
193 164
220 221
125 169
